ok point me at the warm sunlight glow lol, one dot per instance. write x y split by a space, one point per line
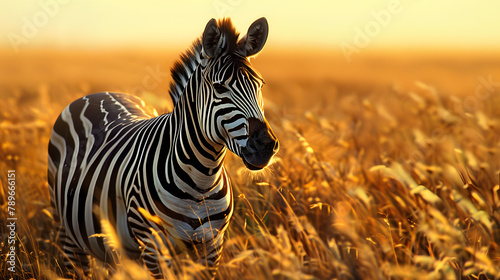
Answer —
154 24
386 113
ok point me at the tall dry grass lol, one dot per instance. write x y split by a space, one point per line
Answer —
374 180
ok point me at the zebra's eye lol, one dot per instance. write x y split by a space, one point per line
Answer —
220 88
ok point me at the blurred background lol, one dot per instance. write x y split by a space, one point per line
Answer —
358 43
70 24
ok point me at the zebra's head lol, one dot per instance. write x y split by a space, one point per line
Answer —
232 97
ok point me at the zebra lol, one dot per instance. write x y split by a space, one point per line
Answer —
160 179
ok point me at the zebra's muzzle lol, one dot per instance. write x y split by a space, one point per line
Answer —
261 146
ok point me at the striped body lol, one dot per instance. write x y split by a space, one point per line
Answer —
158 180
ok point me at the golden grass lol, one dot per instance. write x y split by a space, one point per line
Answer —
379 176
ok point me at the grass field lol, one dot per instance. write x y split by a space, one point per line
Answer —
388 168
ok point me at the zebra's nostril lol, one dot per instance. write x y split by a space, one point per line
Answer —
252 147
262 145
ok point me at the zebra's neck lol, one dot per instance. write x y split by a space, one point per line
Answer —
197 161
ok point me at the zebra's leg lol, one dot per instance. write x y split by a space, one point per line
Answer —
155 256
207 253
150 253
150 258
214 253
75 258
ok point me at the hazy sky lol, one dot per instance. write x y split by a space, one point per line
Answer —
156 23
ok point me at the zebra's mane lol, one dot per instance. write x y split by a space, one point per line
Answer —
185 66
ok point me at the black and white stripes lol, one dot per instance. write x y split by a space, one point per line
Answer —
160 180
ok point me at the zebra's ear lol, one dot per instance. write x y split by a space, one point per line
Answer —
255 39
211 39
